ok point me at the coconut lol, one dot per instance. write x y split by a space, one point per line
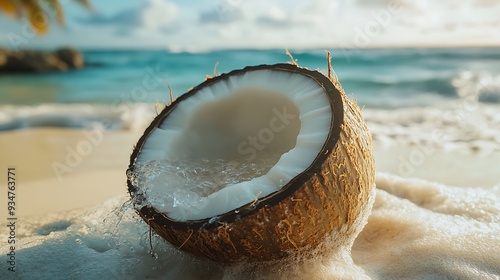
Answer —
256 164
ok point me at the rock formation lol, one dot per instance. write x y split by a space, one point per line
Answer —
33 61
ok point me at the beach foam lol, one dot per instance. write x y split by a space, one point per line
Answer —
416 230
457 126
109 117
462 125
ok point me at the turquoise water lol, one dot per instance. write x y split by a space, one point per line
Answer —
384 78
118 89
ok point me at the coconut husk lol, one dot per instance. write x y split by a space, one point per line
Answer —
324 200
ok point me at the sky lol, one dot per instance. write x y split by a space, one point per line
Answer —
198 25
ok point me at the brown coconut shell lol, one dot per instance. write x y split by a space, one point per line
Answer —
326 197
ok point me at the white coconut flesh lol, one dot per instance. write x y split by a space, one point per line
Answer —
236 140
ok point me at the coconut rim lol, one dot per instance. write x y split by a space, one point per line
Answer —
150 213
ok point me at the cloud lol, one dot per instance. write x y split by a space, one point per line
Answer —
220 16
221 24
275 17
153 14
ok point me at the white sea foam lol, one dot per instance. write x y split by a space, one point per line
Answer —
482 86
461 125
417 230
120 116
458 126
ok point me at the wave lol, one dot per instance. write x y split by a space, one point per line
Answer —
441 86
483 86
463 125
378 78
130 116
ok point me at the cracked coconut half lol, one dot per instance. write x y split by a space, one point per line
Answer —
255 164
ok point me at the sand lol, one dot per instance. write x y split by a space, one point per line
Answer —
447 167
46 187
77 225
48 182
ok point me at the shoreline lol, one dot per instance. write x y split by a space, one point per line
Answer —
100 175
84 226
59 171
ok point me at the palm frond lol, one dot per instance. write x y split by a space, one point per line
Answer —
35 15
85 3
9 7
56 6
36 11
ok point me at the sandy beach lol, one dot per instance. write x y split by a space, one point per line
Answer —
72 204
55 175
80 83
416 228
436 145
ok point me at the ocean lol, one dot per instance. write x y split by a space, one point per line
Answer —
404 93
379 78
434 115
